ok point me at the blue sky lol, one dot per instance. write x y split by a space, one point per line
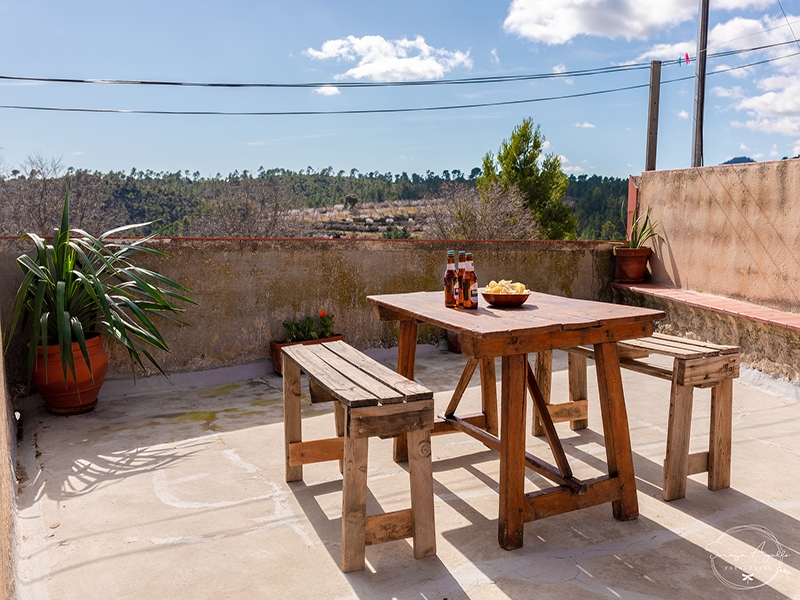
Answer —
753 111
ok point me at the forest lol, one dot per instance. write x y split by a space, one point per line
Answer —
265 203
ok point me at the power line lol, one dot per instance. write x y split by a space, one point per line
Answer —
321 112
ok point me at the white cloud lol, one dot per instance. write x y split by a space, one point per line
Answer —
391 60
585 125
722 92
683 114
757 155
547 145
560 68
774 152
743 146
777 110
796 149
564 160
668 52
495 58
327 90
559 22
575 169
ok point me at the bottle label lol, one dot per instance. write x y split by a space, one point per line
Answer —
473 292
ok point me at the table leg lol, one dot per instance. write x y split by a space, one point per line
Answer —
292 423
543 371
489 394
615 430
511 522
406 354
719 447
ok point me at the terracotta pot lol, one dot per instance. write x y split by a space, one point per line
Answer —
275 349
631 263
73 395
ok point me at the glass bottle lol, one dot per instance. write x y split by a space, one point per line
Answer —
451 281
462 260
469 283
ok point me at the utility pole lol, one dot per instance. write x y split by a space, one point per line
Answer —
700 84
652 116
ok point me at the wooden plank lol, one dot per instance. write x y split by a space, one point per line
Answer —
646 369
697 463
673 349
676 463
441 426
543 375
354 504
461 387
411 390
421 474
578 391
292 423
389 420
389 527
569 411
406 355
719 443
723 349
523 344
615 430
489 394
339 386
547 503
314 451
627 353
707 370
365 381
511 520
547 423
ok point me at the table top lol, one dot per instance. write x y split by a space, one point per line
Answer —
541 314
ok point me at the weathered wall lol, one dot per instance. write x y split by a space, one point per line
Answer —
731 230
245 289
7 487
769 348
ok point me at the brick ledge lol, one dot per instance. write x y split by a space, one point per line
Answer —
736 308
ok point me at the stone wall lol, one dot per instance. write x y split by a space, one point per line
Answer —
246 289
731 230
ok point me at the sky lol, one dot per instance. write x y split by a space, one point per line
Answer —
750 110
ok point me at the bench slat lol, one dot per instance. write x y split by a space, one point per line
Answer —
678 347
411 389
340 387
722 348
383 393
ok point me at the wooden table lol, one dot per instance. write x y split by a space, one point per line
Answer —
544 322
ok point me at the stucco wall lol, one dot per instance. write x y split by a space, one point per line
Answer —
7 487
245 289
730 230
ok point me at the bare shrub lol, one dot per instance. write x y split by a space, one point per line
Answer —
464 213
250 207
32 196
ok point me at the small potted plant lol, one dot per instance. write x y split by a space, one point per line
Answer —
304 331
76 290
632 258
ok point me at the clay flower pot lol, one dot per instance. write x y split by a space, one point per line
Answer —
275 349
73 395
632 263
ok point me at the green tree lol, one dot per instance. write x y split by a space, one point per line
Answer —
541 182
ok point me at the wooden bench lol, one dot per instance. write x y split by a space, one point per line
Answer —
369 400
695 365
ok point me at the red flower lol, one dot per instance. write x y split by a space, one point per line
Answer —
322 313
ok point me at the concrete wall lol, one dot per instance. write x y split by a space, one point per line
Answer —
8 485
729 230
245 289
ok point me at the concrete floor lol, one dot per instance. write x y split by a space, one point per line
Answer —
178 492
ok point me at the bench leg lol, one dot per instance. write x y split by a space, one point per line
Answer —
719 442
338 414
354 503
421 473
676 463
543 372
292 424
489 394
577 386
406 354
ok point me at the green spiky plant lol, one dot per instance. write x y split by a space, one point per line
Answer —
642 230
80 285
